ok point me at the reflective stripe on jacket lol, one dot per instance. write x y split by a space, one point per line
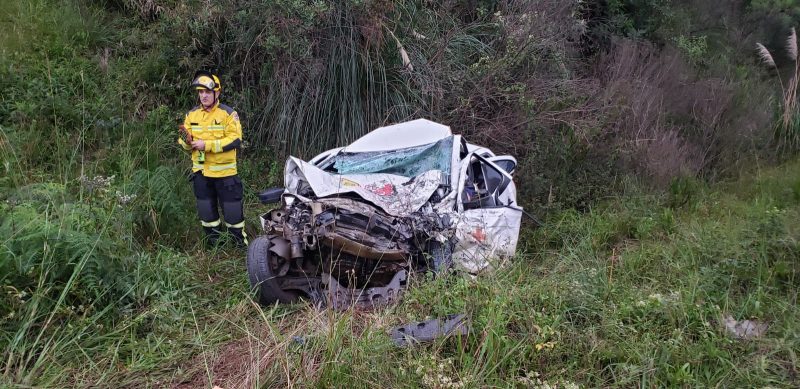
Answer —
221 130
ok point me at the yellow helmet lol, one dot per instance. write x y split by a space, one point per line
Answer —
206 80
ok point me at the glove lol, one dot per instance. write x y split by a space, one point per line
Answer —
185 135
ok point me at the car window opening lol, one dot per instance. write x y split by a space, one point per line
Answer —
484 185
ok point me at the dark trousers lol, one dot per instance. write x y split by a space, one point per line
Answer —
225 193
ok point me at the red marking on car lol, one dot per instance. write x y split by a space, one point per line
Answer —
479 235
386 190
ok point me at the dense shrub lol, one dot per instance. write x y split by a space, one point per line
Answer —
65 248
548 81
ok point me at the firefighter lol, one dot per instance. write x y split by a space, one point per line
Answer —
213 133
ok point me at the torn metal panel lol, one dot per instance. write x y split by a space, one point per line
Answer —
426 331
344 244
340 298
349 204
394 194
484 235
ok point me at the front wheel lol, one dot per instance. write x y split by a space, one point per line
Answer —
262 265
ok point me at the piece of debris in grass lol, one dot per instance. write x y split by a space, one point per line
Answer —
426 331
745 329
301 340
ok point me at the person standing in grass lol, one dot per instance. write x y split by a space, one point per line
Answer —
213 134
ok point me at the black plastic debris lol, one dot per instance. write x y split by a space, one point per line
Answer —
426 331
301 340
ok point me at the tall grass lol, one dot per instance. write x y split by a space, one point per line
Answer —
787 134
103 284
312 76
86 186
348 90
631 294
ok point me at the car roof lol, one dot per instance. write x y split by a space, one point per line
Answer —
399 136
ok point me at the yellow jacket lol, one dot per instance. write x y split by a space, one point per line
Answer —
221 130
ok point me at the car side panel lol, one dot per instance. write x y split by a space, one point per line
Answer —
486 237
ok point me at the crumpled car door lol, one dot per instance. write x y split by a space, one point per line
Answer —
488 218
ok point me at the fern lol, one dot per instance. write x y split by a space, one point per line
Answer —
165 206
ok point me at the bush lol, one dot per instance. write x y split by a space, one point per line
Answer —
75 248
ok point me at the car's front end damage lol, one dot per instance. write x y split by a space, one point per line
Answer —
352 226
343 251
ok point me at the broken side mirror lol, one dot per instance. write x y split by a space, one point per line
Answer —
271 196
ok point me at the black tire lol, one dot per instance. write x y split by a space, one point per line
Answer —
262 276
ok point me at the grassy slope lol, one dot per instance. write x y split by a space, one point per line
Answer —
629 294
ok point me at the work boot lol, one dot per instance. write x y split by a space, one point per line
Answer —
212 235
239 235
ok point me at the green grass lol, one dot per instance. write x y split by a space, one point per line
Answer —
99 289
630 294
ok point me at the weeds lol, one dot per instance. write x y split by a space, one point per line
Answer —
634 293
103 285
787 135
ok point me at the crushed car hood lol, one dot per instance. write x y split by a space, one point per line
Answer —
394 194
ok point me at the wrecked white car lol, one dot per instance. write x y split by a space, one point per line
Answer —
354 221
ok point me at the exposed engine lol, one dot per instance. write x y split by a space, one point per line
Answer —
355 243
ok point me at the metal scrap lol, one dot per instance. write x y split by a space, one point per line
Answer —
426 331
340 298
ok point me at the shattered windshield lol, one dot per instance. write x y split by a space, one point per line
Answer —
408 162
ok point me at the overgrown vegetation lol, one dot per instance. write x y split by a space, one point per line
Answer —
645 131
